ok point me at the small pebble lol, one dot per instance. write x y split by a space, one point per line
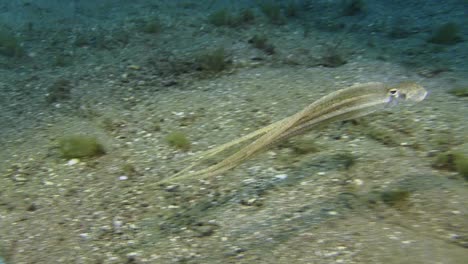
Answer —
48 183
358 182
19 178
134 67
73 162
132 256
281 176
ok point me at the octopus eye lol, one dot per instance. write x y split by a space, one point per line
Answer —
393 92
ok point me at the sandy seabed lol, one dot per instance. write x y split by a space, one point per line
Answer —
364 191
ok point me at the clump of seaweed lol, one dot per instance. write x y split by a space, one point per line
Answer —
347 159
303 146
261 42
332 56
459 91
273 12
461 164
445 160
443 140
452 161
395 198
353 7
80 146
152 26
129 170
223 17
61 60
82 40
382 135
446 34
292 9
400 28
9 44
213 61
178 140
6 253
246 16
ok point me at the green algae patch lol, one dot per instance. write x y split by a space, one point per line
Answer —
178 140
452 161
395 198
80 146
214 60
